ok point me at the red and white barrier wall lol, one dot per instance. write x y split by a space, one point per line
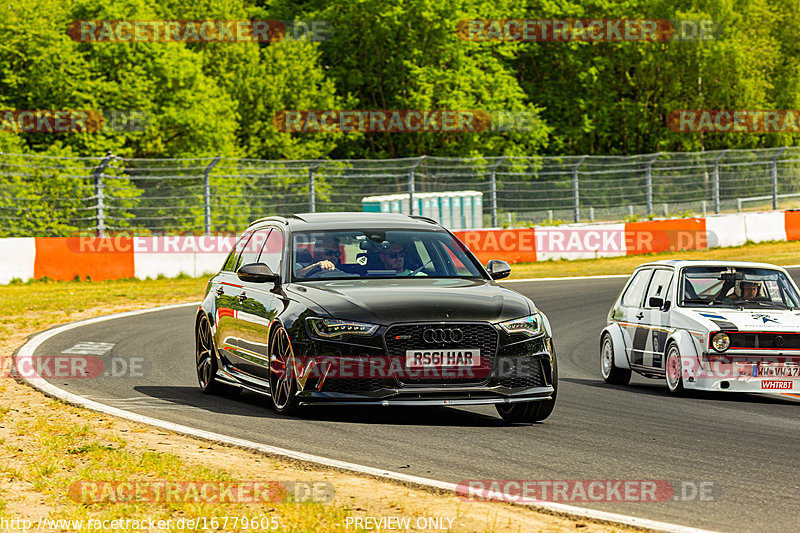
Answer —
141 257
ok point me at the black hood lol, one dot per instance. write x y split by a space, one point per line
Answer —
387 301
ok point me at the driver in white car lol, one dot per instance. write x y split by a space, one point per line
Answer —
327 256
746 292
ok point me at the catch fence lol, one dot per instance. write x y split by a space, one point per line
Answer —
58 196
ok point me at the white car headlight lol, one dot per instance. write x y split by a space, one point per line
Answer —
720 341
331 328
530 325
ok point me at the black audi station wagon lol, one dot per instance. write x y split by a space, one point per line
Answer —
369 308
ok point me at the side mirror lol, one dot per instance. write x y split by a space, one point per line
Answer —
498 269
256 273
655 301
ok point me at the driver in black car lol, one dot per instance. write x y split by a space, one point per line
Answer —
327 256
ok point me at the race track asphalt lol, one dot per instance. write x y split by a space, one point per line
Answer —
748 447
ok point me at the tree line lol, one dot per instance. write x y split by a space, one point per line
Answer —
212 98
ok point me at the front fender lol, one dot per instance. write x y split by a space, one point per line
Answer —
690 356
620 357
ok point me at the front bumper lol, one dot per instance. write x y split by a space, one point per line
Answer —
753 373
430 395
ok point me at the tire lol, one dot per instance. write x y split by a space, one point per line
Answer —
282 385
673 375
206 361
529 412
611 373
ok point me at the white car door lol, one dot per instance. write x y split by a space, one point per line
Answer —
655 319
631 313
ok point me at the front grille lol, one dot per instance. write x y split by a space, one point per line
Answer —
482 336
352 386
764 341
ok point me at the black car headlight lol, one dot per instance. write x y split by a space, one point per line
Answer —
331 328
530 325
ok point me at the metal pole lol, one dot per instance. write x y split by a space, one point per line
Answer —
575 190
99 194
648 178
207 195
493 186
411 185
312 191
775 178
716 181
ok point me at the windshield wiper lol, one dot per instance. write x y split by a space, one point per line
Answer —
762 303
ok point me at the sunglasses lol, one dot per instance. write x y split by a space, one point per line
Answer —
332 253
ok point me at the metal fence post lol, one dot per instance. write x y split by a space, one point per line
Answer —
648 178
775 178
312 190
576 191
716 180
411 185
99 194
207 195
493 188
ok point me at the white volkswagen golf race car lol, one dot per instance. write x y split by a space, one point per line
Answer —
706 325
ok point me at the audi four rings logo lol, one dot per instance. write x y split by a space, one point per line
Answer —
443 335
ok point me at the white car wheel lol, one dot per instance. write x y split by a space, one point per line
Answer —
674 369
610 372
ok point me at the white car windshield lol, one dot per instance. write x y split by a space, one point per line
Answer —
737 287
381 254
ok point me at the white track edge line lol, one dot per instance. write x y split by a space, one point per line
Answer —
28 349
566 278
600 276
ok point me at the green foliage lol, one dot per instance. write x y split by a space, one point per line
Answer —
203 100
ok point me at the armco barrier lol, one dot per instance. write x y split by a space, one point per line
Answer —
141 257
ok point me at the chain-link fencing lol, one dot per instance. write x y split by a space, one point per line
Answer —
57 196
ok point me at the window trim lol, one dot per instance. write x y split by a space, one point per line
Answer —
645 303
247 234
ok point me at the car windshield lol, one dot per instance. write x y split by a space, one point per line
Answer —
381 254
737 287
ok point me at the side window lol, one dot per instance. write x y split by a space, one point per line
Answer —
659 286
231 261
633 294
251 252
272 252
